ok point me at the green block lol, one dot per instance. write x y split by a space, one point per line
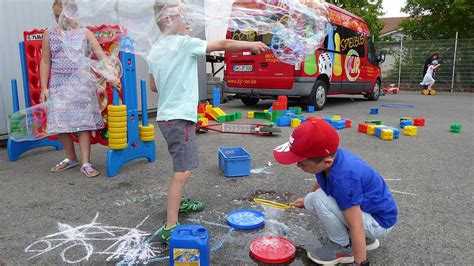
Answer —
275 115
221 119
455 128
259 115
268 116
238 115
377 122
297 110
230 117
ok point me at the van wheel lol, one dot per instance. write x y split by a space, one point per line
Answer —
319 94
374 95
249 101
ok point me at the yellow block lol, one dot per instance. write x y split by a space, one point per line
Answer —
208 108
204 121
117 141
117 119
117 146
216 112
117 135
117 125
149 128
117 108
250 114
201 115
410 130
147 134
371 129
117 114
387 134
295 123
144 139
265 111
336 118
118 130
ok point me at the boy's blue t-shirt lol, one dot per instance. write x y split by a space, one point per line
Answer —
351 181
172 62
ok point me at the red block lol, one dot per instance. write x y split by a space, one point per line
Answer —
278 106
284 101
419 122
349 123
362 128
202 108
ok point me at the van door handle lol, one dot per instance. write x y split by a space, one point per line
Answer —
264 64
279 74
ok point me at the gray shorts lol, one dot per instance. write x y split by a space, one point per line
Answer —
181 139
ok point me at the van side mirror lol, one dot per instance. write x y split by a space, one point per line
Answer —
381 57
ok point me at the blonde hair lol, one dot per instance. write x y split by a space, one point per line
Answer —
163 10
57 2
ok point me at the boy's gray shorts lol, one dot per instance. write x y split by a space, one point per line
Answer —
181 139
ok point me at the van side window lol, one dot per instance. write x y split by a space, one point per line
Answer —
371 51
352 40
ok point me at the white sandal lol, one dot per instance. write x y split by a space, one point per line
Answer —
68 164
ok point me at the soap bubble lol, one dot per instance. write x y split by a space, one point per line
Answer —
292 29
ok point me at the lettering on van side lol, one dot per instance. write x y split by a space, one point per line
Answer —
242 81
352 42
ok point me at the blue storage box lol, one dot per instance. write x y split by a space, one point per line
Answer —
234 161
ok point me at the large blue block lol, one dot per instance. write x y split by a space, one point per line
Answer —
310 109
404 123
339 124
283 121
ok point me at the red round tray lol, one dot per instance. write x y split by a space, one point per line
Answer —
272 249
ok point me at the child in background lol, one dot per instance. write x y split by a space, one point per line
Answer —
428 80
66 82
349 197
174 75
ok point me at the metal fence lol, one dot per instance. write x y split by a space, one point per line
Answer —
405 60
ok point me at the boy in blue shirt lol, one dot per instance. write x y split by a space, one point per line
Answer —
174 75
349 197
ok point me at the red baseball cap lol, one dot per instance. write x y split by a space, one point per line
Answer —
314 138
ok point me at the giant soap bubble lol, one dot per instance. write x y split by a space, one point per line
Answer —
292 29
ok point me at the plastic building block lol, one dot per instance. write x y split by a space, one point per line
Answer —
283 121
268 116
250 114
410 130
362 128
266 110
295 123
339 124
260 115
215 112
202 108
301 118
374 111
328 119
387 134
336 118
405 123
275 115
419 122
238 115
230 117
202 115
348 123
221 119
455 128
278 106
310 109
290 112
371 129
296 109
405 118
377 122
396 132
204 121
378 130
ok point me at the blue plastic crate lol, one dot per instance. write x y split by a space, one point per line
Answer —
234 161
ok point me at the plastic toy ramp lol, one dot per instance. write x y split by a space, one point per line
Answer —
216 112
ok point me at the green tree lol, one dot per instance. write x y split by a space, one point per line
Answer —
438 19
368 12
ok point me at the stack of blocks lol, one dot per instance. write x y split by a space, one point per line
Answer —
379 130
208 112
338 122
